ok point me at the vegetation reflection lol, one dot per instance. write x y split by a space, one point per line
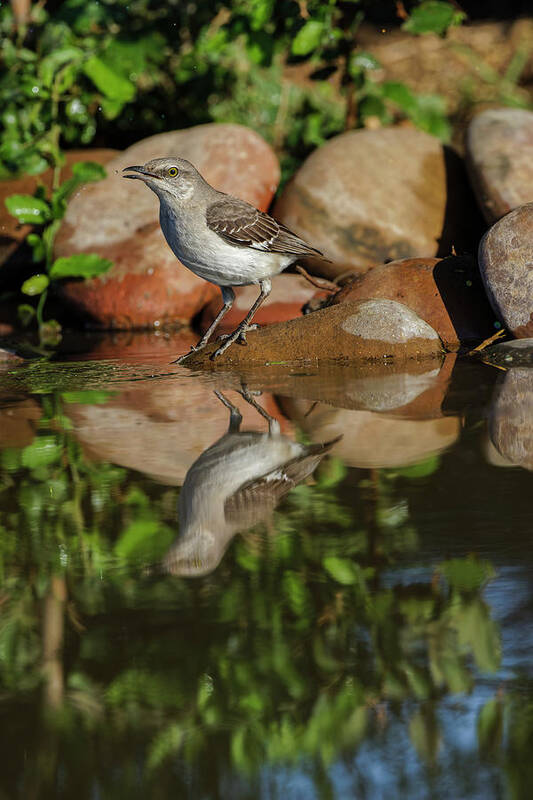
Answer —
302 642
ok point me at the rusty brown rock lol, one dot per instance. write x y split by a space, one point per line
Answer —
289 295
447 293
18 422
11 232
369 329
119 220
499 149
368 196
506 264
511 417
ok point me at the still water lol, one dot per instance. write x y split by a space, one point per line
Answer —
296 583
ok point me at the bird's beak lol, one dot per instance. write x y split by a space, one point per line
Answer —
140 173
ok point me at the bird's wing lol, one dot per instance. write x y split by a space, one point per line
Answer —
242 225
257 498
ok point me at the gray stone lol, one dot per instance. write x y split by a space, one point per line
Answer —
499 149
518 353
368 196
506 264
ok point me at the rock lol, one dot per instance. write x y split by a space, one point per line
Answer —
11 232
161 433
373 440
119 220
511 417
518 353
369 329
447 293
499 150
506 264
289 294
368 196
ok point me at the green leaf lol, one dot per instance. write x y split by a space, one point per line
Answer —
81 265
92 396
467 574
490 727
420 470
109 82
343 570
25 313
35 285
42 451
37 245
28 209
361 61
87 171
143 538
308 38
433 16
57 59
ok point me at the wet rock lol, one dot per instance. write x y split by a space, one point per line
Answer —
368 196
511 417
369 329
161 432
373 440
11 232
506 264
119 220
289 295
447 293
499 149
518 353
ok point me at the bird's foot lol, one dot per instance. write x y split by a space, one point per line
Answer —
194 349
241 338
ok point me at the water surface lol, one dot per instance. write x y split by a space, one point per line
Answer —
295 583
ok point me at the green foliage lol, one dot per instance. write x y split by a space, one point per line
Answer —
48 213
433 16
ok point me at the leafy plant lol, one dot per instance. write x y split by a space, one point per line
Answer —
46 214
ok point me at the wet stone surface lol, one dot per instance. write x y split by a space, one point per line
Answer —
518 353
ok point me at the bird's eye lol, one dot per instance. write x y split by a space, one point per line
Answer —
173 171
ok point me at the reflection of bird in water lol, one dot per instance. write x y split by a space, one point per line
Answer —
233 485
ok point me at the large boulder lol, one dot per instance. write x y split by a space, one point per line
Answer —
447 293
499 149
511 417
147 286
506 264
368 196
362 331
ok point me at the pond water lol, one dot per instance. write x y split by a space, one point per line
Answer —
293 583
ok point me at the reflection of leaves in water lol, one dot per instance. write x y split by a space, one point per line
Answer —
283 653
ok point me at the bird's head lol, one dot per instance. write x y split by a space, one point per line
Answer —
170 177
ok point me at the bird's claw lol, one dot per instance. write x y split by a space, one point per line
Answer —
194 349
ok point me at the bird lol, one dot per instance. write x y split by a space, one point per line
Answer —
220 238
233 485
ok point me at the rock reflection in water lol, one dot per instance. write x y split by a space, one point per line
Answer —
511 417
236 483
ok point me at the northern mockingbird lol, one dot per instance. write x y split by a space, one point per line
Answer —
220 238
235 484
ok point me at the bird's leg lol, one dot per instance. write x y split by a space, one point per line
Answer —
235 416
228 297
273 424
240 330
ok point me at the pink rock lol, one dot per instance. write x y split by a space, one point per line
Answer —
119 220
289 295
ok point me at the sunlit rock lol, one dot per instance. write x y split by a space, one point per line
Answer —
499 149
447 293
369 329
506 263
120 221
367 196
